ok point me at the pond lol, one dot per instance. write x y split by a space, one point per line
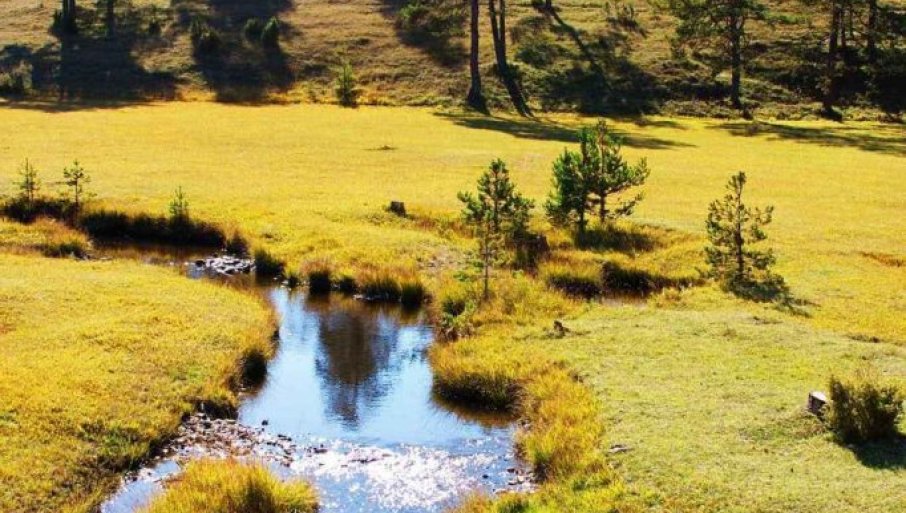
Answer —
347 405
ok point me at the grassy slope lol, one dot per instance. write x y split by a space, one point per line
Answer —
319 34
99 361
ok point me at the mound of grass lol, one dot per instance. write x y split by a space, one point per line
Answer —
580 279
131 349
210 486
47 237
319 277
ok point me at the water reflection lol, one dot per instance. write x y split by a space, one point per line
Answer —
356 371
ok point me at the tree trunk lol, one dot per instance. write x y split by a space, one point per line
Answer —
736 71
110 18
872 31
68 16
549 5
602 207
498 33
830 91
475 98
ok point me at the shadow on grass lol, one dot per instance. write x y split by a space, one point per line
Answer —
887 454
771 289
445 49
549 131
837 136
617 238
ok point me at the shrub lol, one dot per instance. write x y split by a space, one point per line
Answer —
252 29
237 245
431 19
582 279
17 81
457 304
347 90
267 265
270 35
204 38
346 283
228 486
292 278
862 407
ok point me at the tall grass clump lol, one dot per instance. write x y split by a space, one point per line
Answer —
863 406
380 285
412 291
320 277
267 265
454 309
581 279
228 486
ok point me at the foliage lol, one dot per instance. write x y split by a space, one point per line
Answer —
17 80
228 486
346 88
179 207
589 179
270 34
431 19
863 407
75 178
252 29
28 184
497 214
734 230
205 39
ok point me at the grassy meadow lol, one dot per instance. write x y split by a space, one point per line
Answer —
100 362
706 390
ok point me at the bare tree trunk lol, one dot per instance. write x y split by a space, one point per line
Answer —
498 33
475 98
736 67
110 18
872 31
830 92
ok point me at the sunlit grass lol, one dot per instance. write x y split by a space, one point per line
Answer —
100 362
228 486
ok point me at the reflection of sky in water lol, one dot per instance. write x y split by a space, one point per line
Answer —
354 371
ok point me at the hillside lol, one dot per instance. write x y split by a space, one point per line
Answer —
579 59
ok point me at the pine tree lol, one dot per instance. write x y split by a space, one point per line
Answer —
591 178
734 230
28 184
75 178
498 214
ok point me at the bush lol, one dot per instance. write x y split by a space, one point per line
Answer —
204 38
228 486
347 90
252 29
346 283
431 19
17 80
457 304
270 35
267 265
864 408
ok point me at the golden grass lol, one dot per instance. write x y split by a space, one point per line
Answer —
47 237
211 486
100 362
306 183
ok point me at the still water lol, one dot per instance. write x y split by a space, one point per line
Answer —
347 405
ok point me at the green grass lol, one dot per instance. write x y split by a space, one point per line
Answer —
100 362
232 487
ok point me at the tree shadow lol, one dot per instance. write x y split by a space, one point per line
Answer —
546 130
620 238
771 288
90 65
889 454
837 136
238 70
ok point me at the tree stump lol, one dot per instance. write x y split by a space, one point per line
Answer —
816 403
398 208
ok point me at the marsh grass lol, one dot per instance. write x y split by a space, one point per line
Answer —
228 486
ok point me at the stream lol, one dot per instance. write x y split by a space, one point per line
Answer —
347 405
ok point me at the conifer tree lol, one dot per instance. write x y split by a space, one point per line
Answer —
75 179
734 230
497 213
